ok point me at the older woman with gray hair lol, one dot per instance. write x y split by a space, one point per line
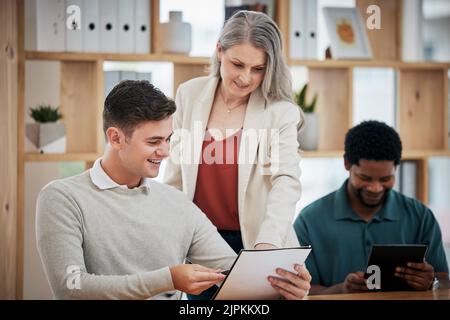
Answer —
234 148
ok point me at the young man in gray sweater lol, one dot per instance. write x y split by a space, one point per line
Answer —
112 233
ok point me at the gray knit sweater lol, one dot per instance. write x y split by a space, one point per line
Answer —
121 240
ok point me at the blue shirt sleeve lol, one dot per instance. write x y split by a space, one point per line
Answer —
431 235
303 237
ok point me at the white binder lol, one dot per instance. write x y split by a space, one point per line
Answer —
74 34
303 29
45 25
108 26
311 16
126 26
142 33
297 39
91 26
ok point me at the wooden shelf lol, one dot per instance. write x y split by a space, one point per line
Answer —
421 154
343 64
57 157
407 154
321 154
82 56
183 59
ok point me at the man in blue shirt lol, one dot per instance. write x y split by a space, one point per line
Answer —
342 226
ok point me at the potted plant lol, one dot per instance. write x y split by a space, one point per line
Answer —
308 135
47 135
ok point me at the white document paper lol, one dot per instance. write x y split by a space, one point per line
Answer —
247 279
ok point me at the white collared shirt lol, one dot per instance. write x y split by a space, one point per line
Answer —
101 179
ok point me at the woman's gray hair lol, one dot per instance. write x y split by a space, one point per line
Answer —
262 32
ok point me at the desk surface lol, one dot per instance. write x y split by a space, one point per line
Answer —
441 294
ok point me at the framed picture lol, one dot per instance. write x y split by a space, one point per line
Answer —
347 33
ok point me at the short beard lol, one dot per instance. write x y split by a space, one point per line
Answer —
358 194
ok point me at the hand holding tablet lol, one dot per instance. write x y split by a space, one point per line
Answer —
393 260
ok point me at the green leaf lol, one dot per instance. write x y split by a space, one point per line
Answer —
313 104
300 99
302 96
45 113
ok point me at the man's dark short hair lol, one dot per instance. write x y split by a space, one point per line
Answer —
132 102
372 140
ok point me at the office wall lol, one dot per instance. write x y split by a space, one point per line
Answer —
35 284
8 143
42 81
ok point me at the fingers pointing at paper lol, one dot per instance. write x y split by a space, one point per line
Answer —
194 278
292 286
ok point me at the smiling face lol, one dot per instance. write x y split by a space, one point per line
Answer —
242 69
142 153
370 181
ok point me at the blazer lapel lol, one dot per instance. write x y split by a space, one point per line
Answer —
251 135
200 115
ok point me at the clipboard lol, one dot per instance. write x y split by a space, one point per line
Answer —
388 257
247 277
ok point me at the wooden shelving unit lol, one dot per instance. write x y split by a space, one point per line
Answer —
76 56
422 95
407 154
345 64
55 157
421 86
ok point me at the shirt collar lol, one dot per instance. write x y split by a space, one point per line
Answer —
343 210
101 179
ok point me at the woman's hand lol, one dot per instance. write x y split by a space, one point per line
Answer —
292 286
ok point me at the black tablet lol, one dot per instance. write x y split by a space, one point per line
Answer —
388 257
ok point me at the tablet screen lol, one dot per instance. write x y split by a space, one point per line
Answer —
388 257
